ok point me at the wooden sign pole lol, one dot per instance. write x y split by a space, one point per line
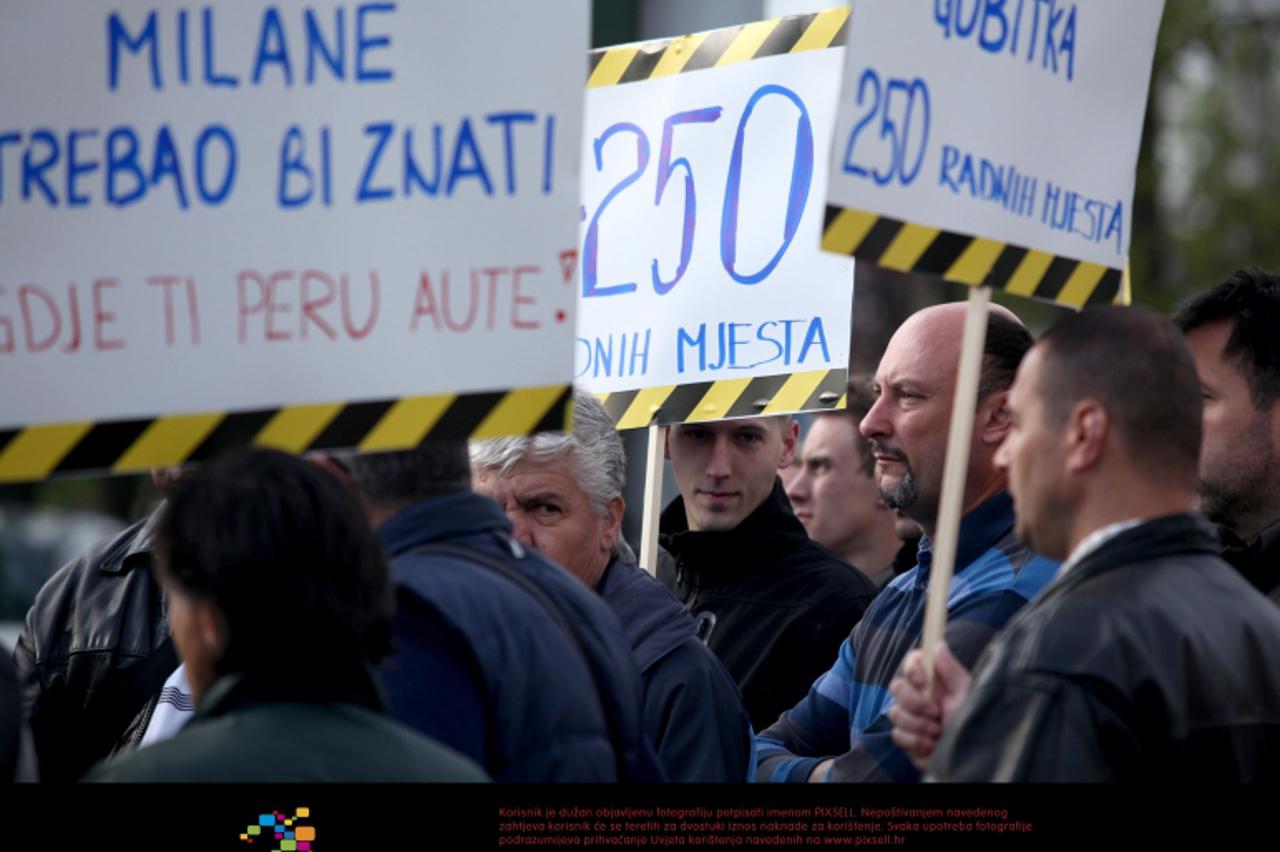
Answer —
951 505
653 470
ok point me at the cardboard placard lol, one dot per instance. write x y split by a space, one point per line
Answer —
703 293
993 142
324 224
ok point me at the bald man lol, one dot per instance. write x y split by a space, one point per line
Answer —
841 730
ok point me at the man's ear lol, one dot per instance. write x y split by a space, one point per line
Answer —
211 628
790 436
1086 435
992 422
329 464
1274 414
613 512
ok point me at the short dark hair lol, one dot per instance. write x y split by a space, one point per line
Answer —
1250 300
284 552
861 396
402 478
1134 362
1006 343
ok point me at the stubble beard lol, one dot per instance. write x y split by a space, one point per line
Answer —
902 494
1249 496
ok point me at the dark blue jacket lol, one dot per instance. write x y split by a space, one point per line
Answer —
692 711
480 665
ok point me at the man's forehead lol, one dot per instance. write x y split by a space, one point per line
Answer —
746 424
917 367
830 429
917 358
1027 382
527 476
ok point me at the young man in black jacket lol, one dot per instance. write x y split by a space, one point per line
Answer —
1148 658
771 603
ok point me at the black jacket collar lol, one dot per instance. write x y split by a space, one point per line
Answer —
1170 535
330 682
771 529
1258 560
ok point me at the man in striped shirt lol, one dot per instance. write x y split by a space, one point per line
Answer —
841 730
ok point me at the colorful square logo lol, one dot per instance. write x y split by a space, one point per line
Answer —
283 833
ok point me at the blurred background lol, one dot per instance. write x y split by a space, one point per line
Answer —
1207 201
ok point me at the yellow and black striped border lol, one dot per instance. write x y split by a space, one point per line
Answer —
977 261
121 446
631 63
702 401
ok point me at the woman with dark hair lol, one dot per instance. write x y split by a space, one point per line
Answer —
279 603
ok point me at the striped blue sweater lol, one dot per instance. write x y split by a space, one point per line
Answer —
845 713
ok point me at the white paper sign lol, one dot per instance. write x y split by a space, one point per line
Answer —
209 207
1013 120
702 206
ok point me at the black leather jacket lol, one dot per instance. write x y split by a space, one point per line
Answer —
93 654
1151 660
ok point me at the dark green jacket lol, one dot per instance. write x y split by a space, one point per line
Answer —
288 728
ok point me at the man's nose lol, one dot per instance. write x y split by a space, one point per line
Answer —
720 465
1001 460
876 424
521 528
798 491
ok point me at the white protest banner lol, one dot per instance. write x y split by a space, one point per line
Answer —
323 224
704 295
993 142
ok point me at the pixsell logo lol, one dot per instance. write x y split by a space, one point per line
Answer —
277 832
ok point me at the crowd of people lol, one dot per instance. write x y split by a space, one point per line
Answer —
468 613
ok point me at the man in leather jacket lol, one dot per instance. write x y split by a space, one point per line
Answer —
1148 658
94 654
1234 335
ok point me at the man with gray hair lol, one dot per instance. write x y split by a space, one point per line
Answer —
563 496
